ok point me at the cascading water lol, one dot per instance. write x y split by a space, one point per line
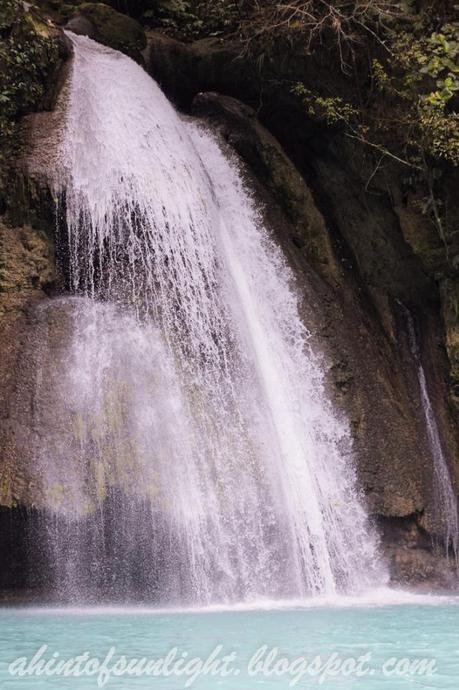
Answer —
198 458
446 508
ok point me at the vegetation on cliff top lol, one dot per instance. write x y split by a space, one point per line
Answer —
29 52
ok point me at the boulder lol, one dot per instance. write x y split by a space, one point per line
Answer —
109 27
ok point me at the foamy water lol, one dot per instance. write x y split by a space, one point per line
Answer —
197 459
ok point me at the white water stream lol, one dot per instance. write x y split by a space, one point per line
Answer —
446 508
202 461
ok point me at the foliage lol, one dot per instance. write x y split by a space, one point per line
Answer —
331 110
438 57
404 107
413 65
422 77
343 24
26 52
191 19
172 14
8 12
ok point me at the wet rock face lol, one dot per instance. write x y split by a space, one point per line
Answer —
26 269
26 266
351 288
27 249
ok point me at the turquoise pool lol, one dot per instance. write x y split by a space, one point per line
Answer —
367 645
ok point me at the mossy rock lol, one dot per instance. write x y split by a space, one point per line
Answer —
109 27
32 51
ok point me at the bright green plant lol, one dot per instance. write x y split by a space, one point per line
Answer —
331 110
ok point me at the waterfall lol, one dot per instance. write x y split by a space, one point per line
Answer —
445 509
195 456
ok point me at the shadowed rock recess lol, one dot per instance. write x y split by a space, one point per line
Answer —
368 266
